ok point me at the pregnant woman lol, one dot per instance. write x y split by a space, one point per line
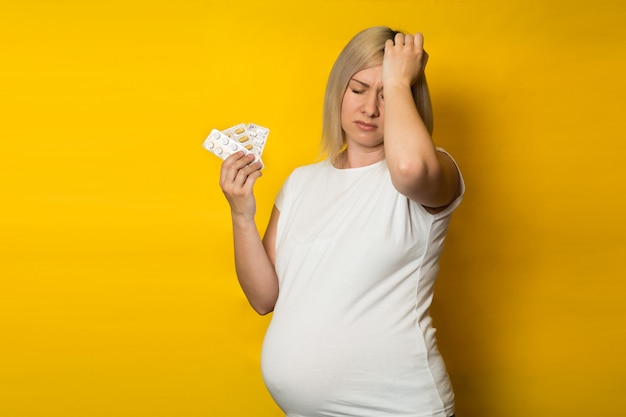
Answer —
350 256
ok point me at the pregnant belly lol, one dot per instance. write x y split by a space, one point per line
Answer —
314 370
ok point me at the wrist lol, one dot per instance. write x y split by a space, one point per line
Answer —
391 86
242 218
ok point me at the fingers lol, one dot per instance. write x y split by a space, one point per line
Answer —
402 39
398 39
418 40
408 44
239 171
238 174
389 43
247 175
234 163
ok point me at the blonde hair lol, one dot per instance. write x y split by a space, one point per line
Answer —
365 50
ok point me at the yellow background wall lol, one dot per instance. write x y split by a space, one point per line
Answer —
117 292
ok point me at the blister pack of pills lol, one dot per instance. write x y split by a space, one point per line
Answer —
258 135
250 138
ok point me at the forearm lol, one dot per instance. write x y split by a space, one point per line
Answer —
255 271
409 150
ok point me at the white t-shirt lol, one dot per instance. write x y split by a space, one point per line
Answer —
351 333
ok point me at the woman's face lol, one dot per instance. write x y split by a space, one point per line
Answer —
363 109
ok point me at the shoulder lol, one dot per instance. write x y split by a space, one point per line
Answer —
300 176
307 172
309 169
299 182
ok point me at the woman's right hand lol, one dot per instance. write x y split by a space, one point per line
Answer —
237 178
404 60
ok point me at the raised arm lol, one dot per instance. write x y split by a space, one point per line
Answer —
254 264
417 169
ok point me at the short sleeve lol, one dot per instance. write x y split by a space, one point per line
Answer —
454 204
280 197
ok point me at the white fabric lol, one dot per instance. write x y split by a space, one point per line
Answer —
351 334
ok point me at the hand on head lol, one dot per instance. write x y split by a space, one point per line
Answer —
404 59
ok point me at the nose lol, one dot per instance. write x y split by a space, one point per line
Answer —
371 105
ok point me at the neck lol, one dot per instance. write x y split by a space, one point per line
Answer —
349 159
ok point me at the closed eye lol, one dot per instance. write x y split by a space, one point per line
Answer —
359 87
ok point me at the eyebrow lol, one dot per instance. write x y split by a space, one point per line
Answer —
360 82
366 85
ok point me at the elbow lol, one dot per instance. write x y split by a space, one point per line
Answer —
264 307
263 310
410 175
417 181
411 169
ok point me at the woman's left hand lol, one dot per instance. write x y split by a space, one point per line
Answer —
404 60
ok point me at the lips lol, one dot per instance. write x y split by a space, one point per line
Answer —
366 126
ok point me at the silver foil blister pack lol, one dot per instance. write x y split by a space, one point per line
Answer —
249 138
